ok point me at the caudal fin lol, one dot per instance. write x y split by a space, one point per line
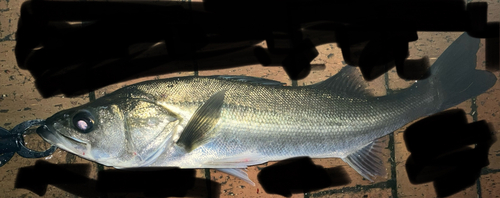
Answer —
455 76
453 79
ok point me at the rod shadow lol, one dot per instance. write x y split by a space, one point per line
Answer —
448 151
73 47
300 175
144 182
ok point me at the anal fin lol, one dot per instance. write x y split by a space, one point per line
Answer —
368 161
235 165
240 173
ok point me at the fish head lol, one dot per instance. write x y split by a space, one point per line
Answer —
119 133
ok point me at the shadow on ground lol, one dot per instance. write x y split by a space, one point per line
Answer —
73 47
448 151
148 182
299 175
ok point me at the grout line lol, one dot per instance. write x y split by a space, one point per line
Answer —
486 171
473 113
393 182
7 38
195 70
357 188
208 182
92 96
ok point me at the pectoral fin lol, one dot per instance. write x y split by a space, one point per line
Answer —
199 128
367 161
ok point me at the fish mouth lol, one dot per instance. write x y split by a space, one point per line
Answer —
62 141
73 139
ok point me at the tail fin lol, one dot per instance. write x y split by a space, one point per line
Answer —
455 75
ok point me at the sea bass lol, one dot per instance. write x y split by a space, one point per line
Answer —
231 122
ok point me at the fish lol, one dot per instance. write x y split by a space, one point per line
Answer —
232 122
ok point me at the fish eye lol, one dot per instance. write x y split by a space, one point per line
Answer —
83 121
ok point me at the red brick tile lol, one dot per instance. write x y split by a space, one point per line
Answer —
431 45
271 73
256 70
26 96
330 56
235 187
488 109
22 102
404 187
9 19
111 88
355 177
489 185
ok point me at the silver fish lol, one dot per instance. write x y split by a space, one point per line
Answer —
231 122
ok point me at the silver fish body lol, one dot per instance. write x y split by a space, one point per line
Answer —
230 122
274 123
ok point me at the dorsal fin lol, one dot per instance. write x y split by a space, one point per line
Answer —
348 81
250 79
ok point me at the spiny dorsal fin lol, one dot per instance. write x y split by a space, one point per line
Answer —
250 79
198 129
348 81
237 172
367 161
